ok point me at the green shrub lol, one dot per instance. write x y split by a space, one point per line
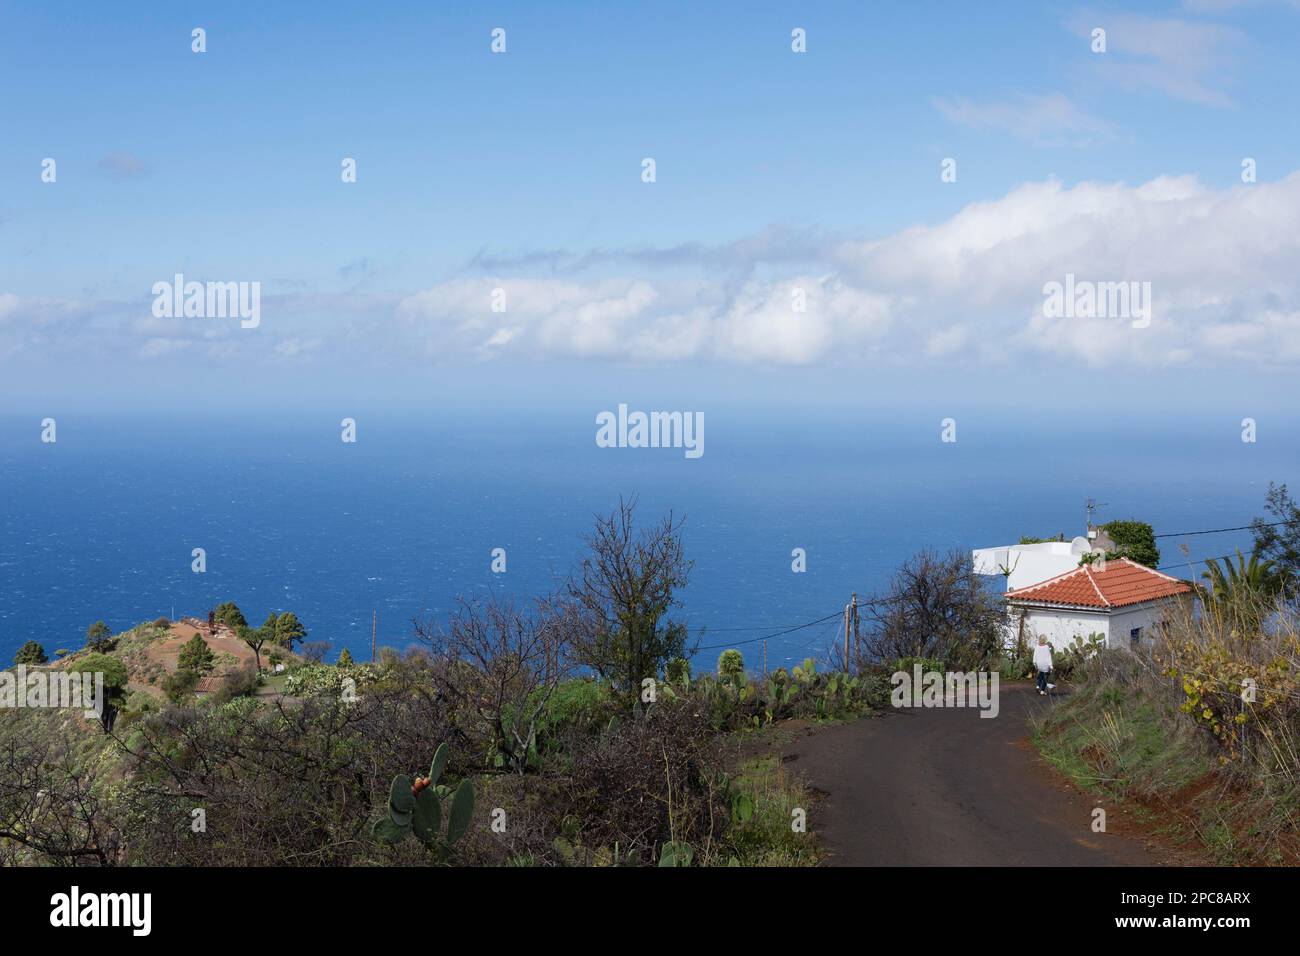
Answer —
1134 540
875 689
242 682
1016 667
180 684
574 703
141 702
927 664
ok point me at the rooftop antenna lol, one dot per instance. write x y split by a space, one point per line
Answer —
1089 506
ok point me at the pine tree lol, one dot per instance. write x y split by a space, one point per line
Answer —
289 629
196 656
30 653
98 637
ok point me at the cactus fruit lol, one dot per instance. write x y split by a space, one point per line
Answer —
416 807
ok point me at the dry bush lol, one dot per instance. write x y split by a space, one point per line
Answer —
1239 679
498 666
55 805
936 608
648 781
289 785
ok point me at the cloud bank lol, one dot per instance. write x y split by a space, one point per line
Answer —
1223 264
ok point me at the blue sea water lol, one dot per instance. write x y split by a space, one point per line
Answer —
102 523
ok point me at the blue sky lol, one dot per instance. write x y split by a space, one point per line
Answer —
776 171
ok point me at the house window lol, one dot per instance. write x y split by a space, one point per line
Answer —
1135 636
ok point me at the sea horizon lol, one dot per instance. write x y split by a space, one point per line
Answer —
404 521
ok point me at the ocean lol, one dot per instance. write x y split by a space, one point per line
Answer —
403 522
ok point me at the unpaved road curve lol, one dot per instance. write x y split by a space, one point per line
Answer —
945 787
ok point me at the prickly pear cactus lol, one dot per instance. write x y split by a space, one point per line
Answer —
416 807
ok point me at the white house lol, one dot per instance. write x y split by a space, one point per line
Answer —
1119 599
1025 564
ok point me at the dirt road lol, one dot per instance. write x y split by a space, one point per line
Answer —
945 787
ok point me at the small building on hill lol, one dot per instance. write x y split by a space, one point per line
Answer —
1120 599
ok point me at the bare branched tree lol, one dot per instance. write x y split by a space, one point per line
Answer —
625 589
936 607
51 809
502 664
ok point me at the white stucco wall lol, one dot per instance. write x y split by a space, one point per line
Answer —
1147 617
1060 625
1029 563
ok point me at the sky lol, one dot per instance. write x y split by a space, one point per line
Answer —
501 245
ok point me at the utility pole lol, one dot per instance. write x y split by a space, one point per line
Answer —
374 626
848 614
854 605
765 658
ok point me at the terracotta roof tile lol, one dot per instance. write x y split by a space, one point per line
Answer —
1124 582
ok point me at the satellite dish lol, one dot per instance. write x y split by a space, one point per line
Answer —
1080 545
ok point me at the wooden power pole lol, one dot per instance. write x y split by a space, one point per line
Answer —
848 614
374 626
854 605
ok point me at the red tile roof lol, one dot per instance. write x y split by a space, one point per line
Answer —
1124 582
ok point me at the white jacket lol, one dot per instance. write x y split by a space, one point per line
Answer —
1043 657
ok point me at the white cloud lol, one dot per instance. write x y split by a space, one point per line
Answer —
1223 264
1049 120
1188 60
664 320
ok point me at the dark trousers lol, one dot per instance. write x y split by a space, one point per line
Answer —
1042 680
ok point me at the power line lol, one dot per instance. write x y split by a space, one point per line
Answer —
752 627
755 640
1245 527
1188 564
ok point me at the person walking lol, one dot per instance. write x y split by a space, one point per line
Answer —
1043 664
